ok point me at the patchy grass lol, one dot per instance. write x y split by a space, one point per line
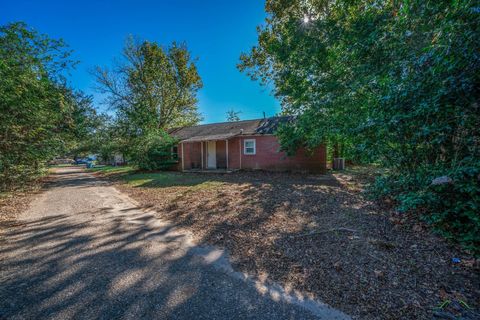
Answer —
111 170
163 179
316 234
169 179
62 165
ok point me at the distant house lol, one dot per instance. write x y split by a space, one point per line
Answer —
118 159
249 144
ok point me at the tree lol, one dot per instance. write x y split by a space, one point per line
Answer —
152 87
153 151
81 125
233 115
109 139
34 102
394 82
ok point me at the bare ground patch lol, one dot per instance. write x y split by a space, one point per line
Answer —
317 235
15 202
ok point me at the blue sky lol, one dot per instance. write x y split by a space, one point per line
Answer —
216 32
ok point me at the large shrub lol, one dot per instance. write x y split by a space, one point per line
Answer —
153 151
446 198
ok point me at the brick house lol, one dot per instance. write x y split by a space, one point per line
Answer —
249 144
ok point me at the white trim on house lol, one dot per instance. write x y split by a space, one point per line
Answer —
226 151
240 141
201 153
212 154
253 135
254 147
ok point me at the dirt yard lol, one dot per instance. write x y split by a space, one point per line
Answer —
14 203
320 236
84 250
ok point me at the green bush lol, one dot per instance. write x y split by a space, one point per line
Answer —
393 83
451 208
153 151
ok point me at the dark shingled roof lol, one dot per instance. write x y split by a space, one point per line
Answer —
228 129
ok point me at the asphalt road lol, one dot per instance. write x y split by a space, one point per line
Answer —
86 251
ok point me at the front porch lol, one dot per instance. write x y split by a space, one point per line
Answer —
207 154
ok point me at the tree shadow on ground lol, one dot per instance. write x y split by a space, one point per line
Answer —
314 235
123 265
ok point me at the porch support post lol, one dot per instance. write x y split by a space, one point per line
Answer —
226 148
240 153
201 152
183 161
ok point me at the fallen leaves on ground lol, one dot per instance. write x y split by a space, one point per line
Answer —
294 229
15 202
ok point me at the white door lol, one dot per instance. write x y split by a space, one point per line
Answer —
211 155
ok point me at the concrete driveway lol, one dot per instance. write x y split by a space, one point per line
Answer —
86 251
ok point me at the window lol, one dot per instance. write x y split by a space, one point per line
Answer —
249 146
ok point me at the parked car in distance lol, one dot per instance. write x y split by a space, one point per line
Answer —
81 161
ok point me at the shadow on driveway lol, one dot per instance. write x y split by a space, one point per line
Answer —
113 263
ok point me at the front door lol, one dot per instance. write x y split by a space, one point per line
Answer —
211 155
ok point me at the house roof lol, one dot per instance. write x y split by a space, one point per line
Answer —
210 137
225 130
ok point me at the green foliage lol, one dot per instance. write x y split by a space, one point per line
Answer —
153 151
108 139
451 208
35 105
80 125
153 87
392 82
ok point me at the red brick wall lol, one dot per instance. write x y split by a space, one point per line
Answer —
233 153
267 157
191 154
221 154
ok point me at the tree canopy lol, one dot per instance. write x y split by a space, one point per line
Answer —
393 82
40 117
151 89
